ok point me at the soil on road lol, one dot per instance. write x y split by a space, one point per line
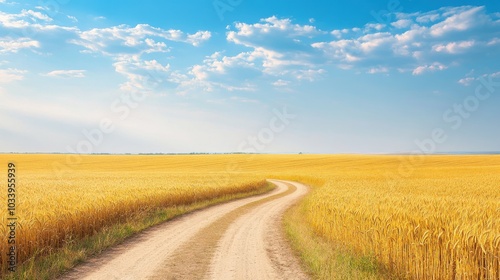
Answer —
242 239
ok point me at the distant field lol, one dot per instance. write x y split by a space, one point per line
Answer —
417 218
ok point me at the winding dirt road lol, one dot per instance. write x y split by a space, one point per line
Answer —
242 239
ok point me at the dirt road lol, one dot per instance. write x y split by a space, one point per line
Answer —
242 239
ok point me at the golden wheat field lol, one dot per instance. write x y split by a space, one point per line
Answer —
55 206
439 220
432 217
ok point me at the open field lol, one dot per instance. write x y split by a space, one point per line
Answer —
58 208
416 218
437 220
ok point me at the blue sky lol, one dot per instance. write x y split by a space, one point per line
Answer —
249 76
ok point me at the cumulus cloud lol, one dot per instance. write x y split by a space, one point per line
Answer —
23 19
276 47
454 47
310 75
374 26
10 45
459 20
418 39
428 17
278 50
418 43
142 75
35 30
218 71
273 34
436 66
127 46
268 26
142 38
402 23
467 81
66 74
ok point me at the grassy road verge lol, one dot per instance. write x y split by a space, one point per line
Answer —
322 259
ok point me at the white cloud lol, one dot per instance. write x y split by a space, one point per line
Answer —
494 41
42 8
276 47
461 21
11 74
310 75
218 71
466 81
353 50
280 48
281 83
426 18
402 23
23 19
374 26
454 47
337 33
127 46
419 38
198 38
376 70
429 68
142 38
270 25
10 45
66 74
142 75
371 42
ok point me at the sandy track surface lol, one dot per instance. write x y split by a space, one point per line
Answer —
254 246
242 239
